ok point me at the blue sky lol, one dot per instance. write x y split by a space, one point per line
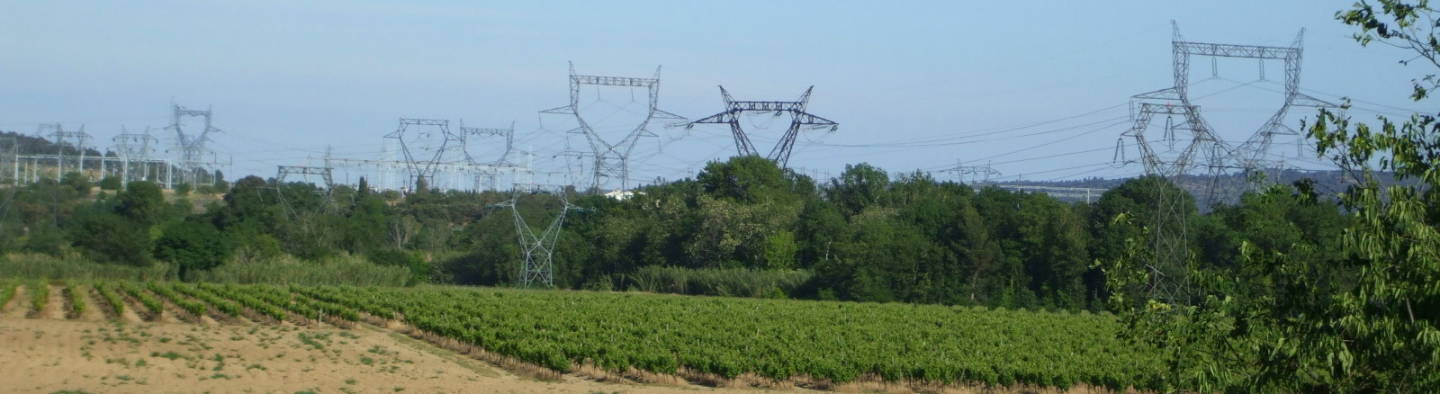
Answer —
911 83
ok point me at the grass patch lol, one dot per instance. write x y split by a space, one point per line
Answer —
39 295
172 356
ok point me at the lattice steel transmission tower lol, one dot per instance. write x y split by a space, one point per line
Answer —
75 140
977 174
490 170
1203 150
190 145
538 266
612 158
134 148
735 109
283 173
425 143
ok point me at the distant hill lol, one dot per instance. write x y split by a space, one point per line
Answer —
1229 188
32 145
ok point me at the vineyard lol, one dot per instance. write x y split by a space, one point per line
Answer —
697 338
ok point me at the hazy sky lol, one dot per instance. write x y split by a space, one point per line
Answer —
1038 89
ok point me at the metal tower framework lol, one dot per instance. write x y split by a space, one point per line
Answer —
612 159
734 109
282 173
134 148
191 147
489 171
976 174
1204 149
422 157
74 139
538 267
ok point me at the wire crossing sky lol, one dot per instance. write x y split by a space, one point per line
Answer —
1039 90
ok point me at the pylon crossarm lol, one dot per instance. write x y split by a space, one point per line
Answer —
720 118
562 110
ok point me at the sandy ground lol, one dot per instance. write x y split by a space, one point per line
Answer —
94 306
46 355
18 305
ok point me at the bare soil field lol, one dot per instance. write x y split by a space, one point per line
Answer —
47 355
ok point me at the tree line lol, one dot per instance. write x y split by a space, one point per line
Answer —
863 236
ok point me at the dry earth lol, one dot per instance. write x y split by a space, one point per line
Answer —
44 356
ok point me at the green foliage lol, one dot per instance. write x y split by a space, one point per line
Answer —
107 291
141 202
167 290
340 270
36 266
746 178
220 303
1312 300
77 182
777 339
39 291
192 246
104 236
111 182
7 290
46 239
220 185
420 269
183 189
730 282
860 186
77 296
244 299
153 306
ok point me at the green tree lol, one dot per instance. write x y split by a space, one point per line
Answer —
105 236
77 182
141 202
1289 319
745 179
220 185
858 187
110 183
192 245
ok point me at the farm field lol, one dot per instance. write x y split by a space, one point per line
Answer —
91 336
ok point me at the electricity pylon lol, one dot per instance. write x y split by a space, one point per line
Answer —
780 154
489 170
612 158
978 175
425 142
538 266
284 172
1203 150
73 139
134 148
191 146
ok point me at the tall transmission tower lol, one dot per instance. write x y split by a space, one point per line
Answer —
190 145
735 109
134 148
283 173
425 144
976 174
538 267
1203 150
490 170
612 158
74 140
